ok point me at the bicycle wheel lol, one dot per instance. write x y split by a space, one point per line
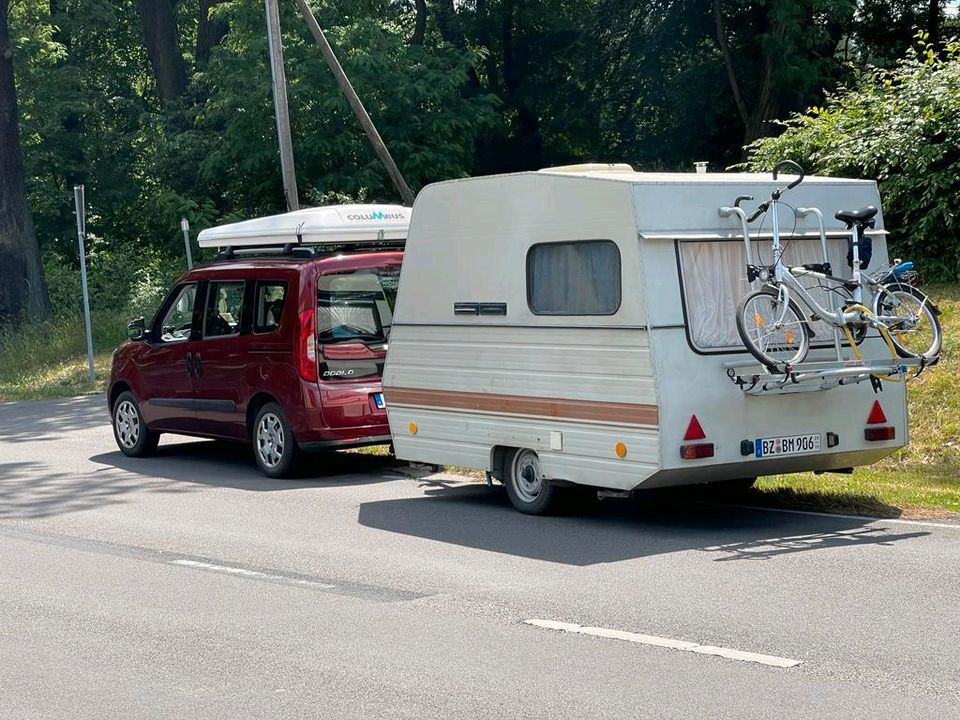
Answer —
774 334
920 334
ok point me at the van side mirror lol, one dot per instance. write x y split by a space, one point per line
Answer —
137 329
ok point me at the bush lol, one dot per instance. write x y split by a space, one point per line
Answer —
901 127
124 280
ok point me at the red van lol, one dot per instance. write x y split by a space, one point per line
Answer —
284 351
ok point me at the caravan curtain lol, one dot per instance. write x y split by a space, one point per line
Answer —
715 278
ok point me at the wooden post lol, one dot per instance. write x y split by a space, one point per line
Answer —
279 79
344 82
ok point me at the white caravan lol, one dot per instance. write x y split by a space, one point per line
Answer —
576 327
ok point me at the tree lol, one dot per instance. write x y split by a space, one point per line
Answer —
777 52
161 38
22 286
901 127
210 32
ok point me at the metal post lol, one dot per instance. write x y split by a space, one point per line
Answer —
80 203
185 226
279 81
344 82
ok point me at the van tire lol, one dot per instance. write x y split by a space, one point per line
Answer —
528 490
133 436
274 446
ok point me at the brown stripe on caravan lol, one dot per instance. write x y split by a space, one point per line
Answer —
622 413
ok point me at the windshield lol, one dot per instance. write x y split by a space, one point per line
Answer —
357 305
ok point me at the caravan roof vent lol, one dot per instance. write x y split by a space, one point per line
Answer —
330 225
591 168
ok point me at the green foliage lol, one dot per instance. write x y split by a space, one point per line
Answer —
901 127
89 114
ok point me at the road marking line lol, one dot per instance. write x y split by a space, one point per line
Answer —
244 572
729 653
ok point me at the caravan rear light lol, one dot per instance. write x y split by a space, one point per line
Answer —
877 434
307 347
697 451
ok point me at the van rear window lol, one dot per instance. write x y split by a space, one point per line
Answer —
357 305
574 278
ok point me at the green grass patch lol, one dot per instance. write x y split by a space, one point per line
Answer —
50 359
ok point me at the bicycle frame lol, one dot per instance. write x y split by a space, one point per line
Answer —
784 278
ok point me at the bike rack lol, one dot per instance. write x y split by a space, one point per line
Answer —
755 379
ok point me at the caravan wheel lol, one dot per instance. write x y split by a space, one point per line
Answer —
528 490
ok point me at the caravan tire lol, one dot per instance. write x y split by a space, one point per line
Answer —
528 490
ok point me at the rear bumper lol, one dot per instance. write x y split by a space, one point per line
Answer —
339 415
363 441
716 472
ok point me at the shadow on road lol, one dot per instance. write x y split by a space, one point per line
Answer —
224 464
51 419
477 517
30 490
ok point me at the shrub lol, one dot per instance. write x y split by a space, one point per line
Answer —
902 127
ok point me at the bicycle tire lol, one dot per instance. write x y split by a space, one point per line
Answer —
890 299
794 322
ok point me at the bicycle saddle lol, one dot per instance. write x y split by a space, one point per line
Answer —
858 217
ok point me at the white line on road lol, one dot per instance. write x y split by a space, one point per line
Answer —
684 645
244 572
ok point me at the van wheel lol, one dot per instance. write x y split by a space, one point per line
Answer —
133 436
274 446
528 490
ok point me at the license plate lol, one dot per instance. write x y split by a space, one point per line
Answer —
378 401
787 445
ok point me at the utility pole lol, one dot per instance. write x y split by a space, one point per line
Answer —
279 80
81 205
344 82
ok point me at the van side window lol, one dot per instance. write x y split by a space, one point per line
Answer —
224 309
574 278
268 306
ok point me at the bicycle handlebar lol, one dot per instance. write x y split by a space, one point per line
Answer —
759 211
789 165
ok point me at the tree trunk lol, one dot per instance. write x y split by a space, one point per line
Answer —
759 113
22 287
209 32
420 28
933 23
159 21
445 13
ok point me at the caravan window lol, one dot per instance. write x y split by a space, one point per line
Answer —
574 278
715 278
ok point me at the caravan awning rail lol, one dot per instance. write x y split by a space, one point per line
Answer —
754 379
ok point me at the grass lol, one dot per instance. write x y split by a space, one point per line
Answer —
922 480
50 360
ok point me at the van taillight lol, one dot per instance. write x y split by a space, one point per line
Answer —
307 347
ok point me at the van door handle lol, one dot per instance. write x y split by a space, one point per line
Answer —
188 362
197 366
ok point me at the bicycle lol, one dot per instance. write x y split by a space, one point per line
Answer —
774 328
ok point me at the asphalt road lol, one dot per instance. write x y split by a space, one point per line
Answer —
188 586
